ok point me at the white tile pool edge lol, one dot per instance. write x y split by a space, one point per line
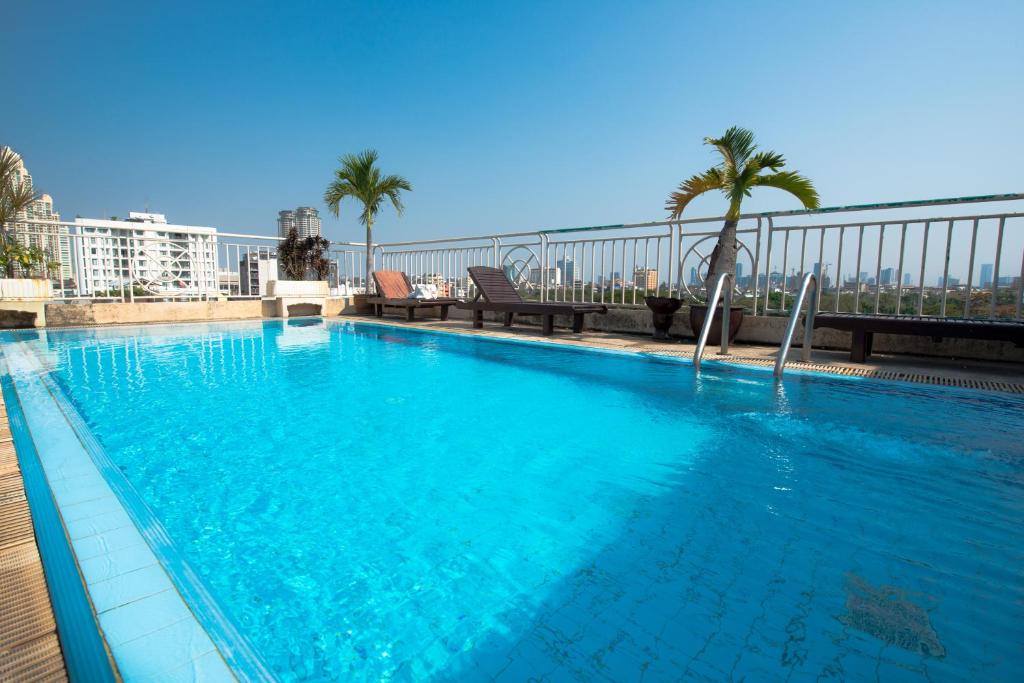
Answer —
151 630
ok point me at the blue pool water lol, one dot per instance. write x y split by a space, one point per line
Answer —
371 503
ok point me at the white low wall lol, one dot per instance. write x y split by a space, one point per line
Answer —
25 288
84 314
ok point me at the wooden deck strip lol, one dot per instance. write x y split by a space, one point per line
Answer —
29 648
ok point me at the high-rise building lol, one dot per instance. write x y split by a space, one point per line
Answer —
739 271
693 276
305 220
906 279
887 277
986 274
38 226
285 222
145 251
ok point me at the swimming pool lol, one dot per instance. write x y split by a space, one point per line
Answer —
374 503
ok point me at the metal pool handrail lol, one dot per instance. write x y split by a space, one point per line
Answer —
794 317
705 329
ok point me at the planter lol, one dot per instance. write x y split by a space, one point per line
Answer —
698 313
303 288
298 297
663 309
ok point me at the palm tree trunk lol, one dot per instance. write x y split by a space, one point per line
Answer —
369 254
723 258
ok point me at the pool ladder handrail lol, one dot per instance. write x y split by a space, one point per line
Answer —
794 317
705 329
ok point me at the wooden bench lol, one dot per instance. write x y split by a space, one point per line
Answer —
501 296
864 327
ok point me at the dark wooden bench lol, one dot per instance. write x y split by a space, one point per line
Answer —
394 288
500 295
864 327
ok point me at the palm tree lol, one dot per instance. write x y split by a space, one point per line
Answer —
739 172
15 197
361 179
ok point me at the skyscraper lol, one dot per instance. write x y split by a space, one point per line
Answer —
986 274
44 231
888 276
305 220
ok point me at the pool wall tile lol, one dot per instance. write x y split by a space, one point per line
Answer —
129 587
142 617
116 563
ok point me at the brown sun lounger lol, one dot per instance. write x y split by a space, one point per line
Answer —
500 295
394 288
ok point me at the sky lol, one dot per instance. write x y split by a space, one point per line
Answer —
504 116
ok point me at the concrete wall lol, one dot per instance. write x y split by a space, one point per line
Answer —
771 329
82 314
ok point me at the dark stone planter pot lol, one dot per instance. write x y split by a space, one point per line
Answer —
664 309
698 313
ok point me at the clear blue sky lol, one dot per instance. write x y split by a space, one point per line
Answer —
503 116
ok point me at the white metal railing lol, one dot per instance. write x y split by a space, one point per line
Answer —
135 261
897 258
870 258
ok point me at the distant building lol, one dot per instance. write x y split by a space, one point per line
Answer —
145 251
693 276
255 270
906 279
568 268
950 282
43 231
645 278
887 277
739 272
986 274
305 220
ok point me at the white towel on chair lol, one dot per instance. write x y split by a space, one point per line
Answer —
423 292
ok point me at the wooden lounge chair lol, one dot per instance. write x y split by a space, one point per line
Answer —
864 327
394 288
500 295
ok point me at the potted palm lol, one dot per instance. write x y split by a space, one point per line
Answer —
741 169
360 178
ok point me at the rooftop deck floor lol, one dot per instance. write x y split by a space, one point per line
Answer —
971 374
29 648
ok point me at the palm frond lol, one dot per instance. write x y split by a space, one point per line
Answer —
736 145
772 161
793 183
711 179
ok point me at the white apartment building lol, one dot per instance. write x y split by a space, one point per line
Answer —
44 230
305 220
146 251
